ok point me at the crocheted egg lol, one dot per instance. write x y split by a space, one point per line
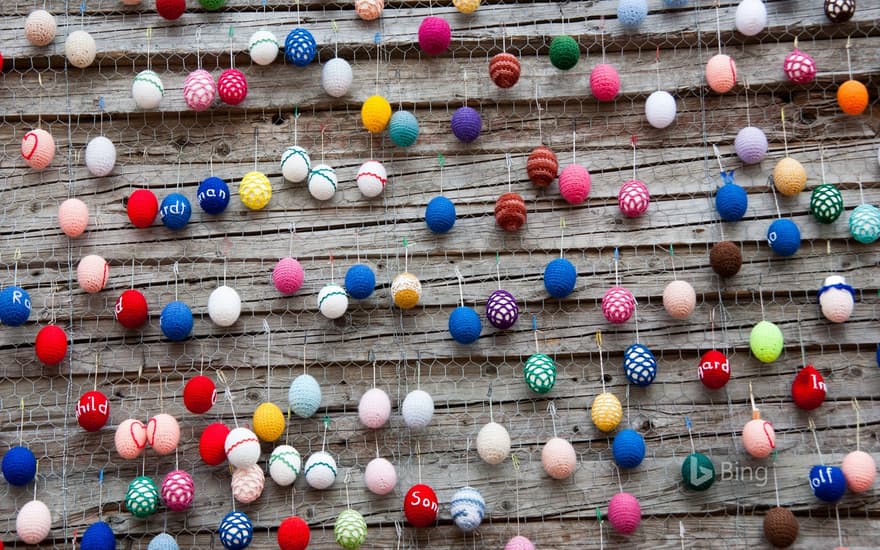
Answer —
40 28
604 81
502 311
336 77
263 47
714 369
285 464
73 217
784 237
322 182
178 490
558 458
403 128
300 47
860 471
799 67
606 412
199 90
493 443
466 124
434 35
417 409
731 200
224 306
504 70
304 395
242 448
375 113
660 109
131 309
725 258
836 298
519 543
50 345
467 508
380 476
130 438
698 472
80 49
212 5
142 207
827 482
624 513
294 532
564 52
147 90
639 365
628 448
540 373
374 408
248 483
92 273
766 341
255 190
440 214
176 321
789 177
721 73
839 11
542 166
420 505
679 299
268 422
466 6
560 277
852 97
213 195
236 531
33 521
371 178
574 184
170 9
320 470
163 433
163 541
100 156
212 444
232 87
360 281
808 388
175 211
15 306
350 529
295 164
369 10
759 438
780 527
864 223
826 203
332 301
751 17
464 325
142 497
751 145
19 466
618 305
633 198
38 148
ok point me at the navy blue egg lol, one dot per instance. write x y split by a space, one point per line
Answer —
175 211
213 195
360 281
827 482
639 365
784 237
465 325
98 536
628 448
560 277
878 355
19 466
176 321
440 214
15 306
300 47
731 202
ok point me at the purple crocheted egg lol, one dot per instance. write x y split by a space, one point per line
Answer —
466 124
502 310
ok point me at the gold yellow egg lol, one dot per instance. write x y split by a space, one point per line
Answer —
268 422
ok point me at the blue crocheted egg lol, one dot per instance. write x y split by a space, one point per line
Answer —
236 531
19 466
864 223
628 448
213 195
467 509
631 13
560 277
304 395
731 200
440 214
98 536
403 128
639 365
300 47
828 482
176 321
784 237
464 325
175 211
360 281
163 541
15 306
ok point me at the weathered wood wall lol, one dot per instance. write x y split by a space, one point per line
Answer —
36 87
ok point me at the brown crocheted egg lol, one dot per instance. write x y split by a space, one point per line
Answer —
510 211
780 527
726 258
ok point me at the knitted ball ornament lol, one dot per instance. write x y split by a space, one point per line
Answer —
784 237
50 345
142 497
199 90
38 148
606 412
628 448
73 217
350 529
92 411
255 190
162 541
519 543
375 113
131 309
504 70
268 422
852 96
618 305
467 508
176 321
40 28
147 89
163 433
434 35
660 109
836 299
232 87
542 166
224 306
808 388
304 395
639 365
288 276
100 156
294 534
369 10
827 482
466 6
130 438
374 408
493 443
142 208
789 177
751 145
336 77
759 438
420 505
213 195
780 527
248 483
731 200
698 472
371 178
560 277
285 464
540 373
574 184
725 258
624 513
633 198
380 476
178 490
417 409
839 11
403 128
440 214
19 466
242 448
721 73
263 47
320 470
98 536
502 311
799 67
766 341
92 273
751 17
679 299
175 211
826 203
604 81
80 49
295 164
300 47
714 369
466 124
332 301
212 444
558 458
860 471
236 531
15 306
322 182
464 325
170 9
33 522
360 281
564 52
864 223
631 13
212 5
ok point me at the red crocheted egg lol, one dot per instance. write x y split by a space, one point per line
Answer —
199 394
142 207
510 211
294 534
212 444
232 86
420 505
808 388
92 411
714 369
170 9
131 309
51 345
504 70
542 166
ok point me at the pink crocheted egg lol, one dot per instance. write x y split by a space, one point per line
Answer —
380 476
618 305
679 299
574 184
73 217
434 35
374 408
604 82
199 90
799 67
163 433
232 86
178 490
633 198
624 513
721 73
860 471
247 483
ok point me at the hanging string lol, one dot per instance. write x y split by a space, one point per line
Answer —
323 127
346 481
16 256
149 39
602 36
657 66
405 255
633 139
298 20
801 339
419 371
161 396
861 195
268 359
231 56
332 271
619 479
538 110
672 262
100 492
601 528
718 25
441 160
636 319
848 60
858 409
601 361
616 264
551 408
295 122
489 397
498 269
712 325
377 38
21 424
372 358
718 158
812 426
97 361
822 162
326 421
419 459
228 393
561 235
761 297
784 134
535 330
746 87
198 48
573 142
775 481
837 518
509 162
681 533
460 278
687 422
176 272
515 459
467 463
